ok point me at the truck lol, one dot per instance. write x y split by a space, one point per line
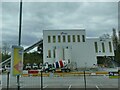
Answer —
58 66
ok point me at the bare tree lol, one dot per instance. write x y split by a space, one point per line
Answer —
115 39
5 48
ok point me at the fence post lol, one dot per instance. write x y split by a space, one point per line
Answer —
41 81
85 79
8 73
18 81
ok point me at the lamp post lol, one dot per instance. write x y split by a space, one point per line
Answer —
19 42
20 23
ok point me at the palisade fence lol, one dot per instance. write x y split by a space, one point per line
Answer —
54 81
39 81
25 82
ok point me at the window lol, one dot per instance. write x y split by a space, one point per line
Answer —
110 47
54 39
68 38
54 53
83 38
103 47
49 40
63 38
96 47
73 38
78 38
49 53
59 39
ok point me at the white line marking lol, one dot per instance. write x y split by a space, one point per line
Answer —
69 87
97 87
44 86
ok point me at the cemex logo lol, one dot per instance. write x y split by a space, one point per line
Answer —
63 33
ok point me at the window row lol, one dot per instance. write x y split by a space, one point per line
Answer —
64 38
103 47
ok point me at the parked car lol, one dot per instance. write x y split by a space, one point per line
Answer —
7 67
34 66
28 66
2 69
40 66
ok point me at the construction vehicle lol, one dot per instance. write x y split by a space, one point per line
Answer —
58 66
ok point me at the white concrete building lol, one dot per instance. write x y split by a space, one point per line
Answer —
72 45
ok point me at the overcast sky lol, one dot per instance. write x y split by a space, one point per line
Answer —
96 17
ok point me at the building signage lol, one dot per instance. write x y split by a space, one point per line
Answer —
17 60
63 33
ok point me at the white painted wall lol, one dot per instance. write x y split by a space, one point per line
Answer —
81 53
106 43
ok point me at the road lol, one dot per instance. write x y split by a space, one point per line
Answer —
67 83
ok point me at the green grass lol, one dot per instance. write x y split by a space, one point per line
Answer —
114 77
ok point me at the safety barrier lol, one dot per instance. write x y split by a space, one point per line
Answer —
29 73
38 73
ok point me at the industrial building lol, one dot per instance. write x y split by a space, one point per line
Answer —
74 46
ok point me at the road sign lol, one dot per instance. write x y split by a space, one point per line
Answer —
17 60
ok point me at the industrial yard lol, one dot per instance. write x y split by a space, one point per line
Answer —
60 46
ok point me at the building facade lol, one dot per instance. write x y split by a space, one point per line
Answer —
74 47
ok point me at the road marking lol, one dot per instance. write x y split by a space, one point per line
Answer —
44 86
69 87
97 87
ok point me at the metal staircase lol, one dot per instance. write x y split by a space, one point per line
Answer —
26 50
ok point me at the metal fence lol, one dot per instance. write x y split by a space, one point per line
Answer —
60 81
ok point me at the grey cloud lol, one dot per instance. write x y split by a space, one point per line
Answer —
96 18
